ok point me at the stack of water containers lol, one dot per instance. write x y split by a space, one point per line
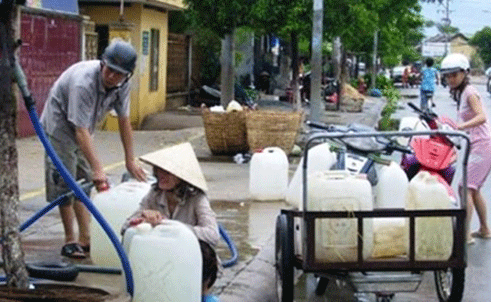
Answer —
434 235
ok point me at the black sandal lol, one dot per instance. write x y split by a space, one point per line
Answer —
73 250
86 248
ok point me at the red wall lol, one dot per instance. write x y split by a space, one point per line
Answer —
50 44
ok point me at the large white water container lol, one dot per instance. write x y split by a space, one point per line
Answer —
115 205
337 238
391 188
268 174
320 158
390 237
434 235
166 263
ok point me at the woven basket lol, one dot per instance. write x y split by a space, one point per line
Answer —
267 128
225 132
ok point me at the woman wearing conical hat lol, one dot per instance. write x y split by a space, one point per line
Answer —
178 194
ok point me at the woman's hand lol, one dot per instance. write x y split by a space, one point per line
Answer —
153 217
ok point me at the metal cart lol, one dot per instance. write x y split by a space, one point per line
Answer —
381 276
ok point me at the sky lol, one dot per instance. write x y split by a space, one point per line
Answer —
469 16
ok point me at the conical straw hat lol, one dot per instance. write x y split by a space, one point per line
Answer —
179 160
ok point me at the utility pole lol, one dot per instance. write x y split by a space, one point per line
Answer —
446 22
374 59
316 62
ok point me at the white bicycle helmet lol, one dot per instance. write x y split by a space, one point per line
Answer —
454 62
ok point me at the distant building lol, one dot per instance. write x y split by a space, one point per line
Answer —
145 24
440 45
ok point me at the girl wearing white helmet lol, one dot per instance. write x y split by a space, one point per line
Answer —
472 119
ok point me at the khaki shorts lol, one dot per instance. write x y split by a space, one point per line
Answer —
72 157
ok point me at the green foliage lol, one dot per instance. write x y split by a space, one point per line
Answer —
482 40
447 29
253 94
356 21
381 81
282 17
387 123
221 16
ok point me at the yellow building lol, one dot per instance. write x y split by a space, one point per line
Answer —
145 24
459 44
440 44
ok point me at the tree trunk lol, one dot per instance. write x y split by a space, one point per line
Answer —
227 76
12 253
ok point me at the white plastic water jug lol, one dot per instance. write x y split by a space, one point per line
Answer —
166 263
337 238
268 174
390 237
434 235
115 205
320 158
391 188
410 123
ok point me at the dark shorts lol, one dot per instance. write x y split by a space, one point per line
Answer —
72 157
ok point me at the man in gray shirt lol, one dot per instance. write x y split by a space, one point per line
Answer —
78 100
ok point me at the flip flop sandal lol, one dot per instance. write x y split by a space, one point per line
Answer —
478 234
73 250
86 248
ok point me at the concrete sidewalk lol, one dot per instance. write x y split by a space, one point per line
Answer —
249 223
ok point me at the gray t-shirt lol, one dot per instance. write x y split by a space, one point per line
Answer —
78 99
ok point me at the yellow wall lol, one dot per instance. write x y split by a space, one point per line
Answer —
155 100
143 102
460 45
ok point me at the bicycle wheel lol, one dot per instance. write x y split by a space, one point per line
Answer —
284 259
450 284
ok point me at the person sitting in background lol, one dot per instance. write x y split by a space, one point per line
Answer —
362 86
405 78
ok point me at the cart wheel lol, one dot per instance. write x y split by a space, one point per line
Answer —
450 284
284 259
386 297
321 287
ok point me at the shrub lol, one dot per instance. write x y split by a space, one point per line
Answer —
387 123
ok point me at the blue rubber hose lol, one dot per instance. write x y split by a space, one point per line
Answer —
231 245
30 105
48 208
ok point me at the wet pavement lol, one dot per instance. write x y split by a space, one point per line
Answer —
249 223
